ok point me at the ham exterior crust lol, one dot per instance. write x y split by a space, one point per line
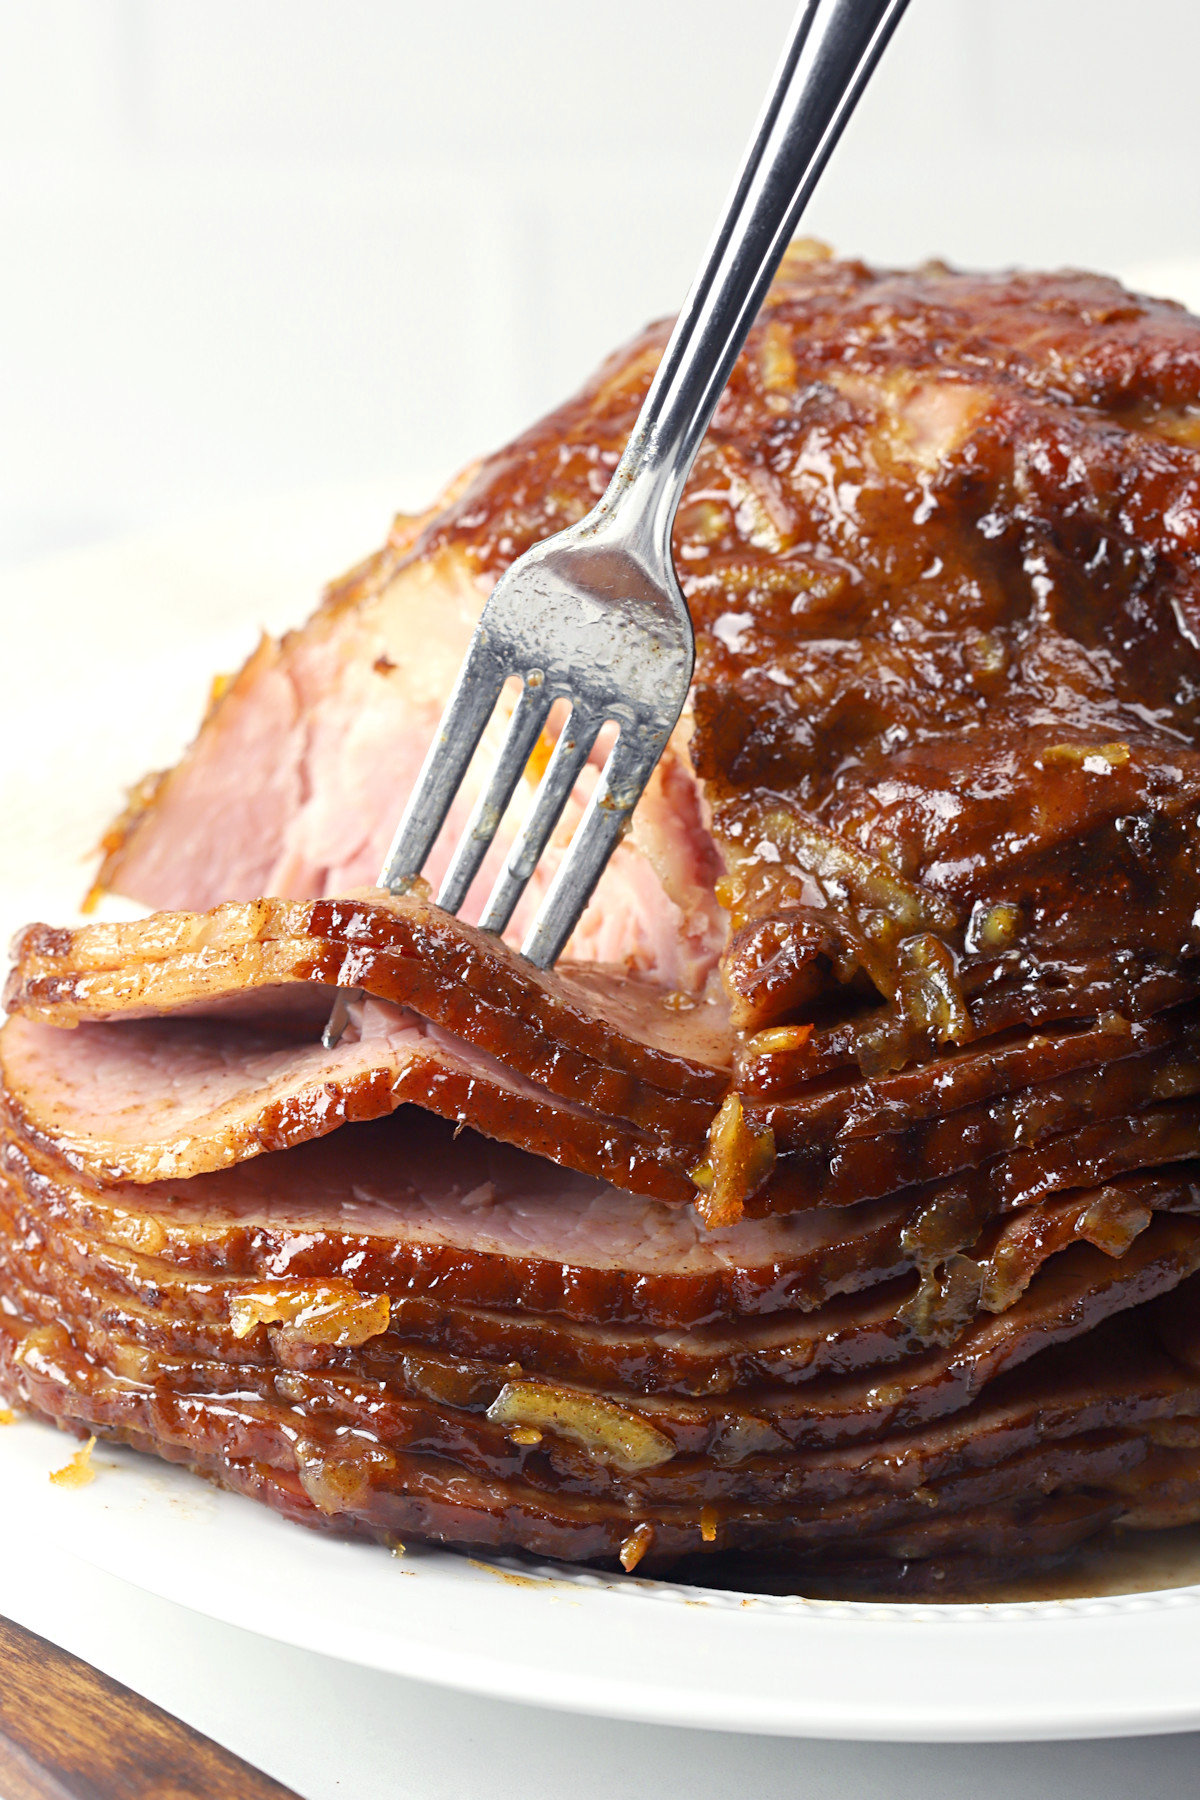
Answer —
884 1247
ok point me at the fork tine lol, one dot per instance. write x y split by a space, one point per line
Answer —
625 774
570 753
470 706
524 729
338 1018
467 712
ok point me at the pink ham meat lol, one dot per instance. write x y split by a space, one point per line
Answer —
308 755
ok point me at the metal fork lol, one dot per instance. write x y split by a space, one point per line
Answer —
594 615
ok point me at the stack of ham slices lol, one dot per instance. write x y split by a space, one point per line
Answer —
835 1203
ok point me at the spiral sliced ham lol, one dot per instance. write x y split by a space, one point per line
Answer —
835 1204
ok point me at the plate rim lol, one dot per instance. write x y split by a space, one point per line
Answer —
137 1499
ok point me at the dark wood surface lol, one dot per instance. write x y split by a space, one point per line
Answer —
67 1732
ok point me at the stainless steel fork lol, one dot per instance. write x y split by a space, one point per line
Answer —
594 615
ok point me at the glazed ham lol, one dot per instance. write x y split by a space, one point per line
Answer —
834 1206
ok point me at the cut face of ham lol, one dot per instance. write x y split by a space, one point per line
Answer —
341 716
836 1202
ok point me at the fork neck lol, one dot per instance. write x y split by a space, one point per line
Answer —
639 505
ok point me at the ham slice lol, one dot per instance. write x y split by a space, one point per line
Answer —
146 1101
561 1027
414 1206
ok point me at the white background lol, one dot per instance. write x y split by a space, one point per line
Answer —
250 246
256 250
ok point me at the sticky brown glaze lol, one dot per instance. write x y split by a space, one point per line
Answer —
857 1168
1006 992
939 545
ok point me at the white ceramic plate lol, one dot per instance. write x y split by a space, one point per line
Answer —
107 662
616 1645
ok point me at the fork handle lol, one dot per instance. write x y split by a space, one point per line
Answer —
831 53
